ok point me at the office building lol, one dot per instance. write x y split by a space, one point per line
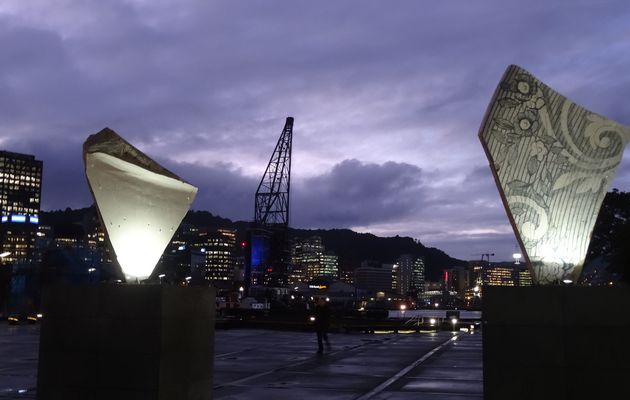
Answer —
220 255
500 276
409 275
310 260
374 277
20 198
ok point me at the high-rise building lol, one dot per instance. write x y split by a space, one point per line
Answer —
20 197
328 265
220 252
310 260
409 274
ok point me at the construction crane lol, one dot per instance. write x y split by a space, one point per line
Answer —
478 271
487 255
272 195
268 245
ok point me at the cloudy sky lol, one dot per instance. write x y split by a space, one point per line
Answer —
387 97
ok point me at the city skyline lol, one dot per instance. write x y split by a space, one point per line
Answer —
387 101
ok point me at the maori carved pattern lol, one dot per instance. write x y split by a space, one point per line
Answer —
553 161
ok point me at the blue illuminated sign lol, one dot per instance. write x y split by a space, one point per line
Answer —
33 220
18 218
5 218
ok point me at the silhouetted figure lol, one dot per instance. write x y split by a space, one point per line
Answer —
322 323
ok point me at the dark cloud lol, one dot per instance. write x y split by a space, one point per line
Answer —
355 193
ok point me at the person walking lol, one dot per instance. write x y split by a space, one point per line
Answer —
322 324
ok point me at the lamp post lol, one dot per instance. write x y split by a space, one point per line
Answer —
403 307
517 258
161 276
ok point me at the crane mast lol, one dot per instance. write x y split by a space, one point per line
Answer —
268 244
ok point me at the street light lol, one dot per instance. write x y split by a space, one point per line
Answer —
403 307
161 276
517 258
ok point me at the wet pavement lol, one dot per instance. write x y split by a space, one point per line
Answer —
258 364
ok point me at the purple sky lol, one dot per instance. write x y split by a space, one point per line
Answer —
387 99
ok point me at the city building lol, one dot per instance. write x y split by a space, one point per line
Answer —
220 255
329 265
410 275
495 274
310 260
525 277
297 274
20 198
346 276
396 286
500 276
373 277
457 279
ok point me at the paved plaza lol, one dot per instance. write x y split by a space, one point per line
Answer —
260 364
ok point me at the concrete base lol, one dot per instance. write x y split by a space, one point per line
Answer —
556 342
127 342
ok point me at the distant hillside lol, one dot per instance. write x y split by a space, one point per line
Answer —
351 247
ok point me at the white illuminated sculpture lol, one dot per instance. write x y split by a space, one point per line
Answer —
140 203
553 162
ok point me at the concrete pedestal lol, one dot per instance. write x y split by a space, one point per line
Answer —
556 342
127 342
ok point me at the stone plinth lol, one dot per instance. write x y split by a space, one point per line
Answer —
556 342
127 342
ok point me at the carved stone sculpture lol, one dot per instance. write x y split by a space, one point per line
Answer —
553 162
140 203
